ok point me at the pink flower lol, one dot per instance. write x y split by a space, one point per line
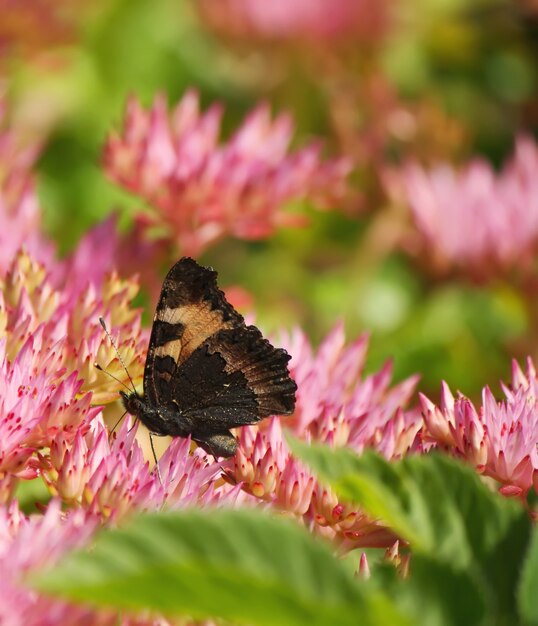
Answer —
29 543
314 20
498 438
474 219
364 567
200 190
267 470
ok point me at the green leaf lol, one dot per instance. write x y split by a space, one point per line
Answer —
238 565
435 594
442 508
32 493
527 592
438 595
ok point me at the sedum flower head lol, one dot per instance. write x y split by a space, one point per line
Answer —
336 404
29 543
38 401
109 475
498 438
200 189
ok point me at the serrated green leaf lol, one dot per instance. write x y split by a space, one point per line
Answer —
441 508
238 565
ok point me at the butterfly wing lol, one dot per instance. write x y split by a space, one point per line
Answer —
206 364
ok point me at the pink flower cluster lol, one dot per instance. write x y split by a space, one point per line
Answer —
27 543
499 438
37 402
200 190
336 405
109 476
474 220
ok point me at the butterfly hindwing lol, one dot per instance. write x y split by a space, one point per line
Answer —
235 378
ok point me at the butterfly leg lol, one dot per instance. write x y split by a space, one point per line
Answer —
116 425
155 457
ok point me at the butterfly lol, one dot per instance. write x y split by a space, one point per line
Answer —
207 371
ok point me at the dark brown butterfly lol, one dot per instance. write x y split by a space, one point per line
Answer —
206 370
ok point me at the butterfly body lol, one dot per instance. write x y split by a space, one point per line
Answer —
206 370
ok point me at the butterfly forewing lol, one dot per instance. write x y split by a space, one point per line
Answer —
191 308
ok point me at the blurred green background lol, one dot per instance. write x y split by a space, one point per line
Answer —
465 74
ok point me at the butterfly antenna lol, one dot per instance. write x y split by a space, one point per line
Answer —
102 369
103 324
156 460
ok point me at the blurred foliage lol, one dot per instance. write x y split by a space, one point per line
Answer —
467 74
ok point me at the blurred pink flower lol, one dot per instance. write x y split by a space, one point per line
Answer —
364 567
20 214
310 20
498 438
474 220
28 544
200 190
